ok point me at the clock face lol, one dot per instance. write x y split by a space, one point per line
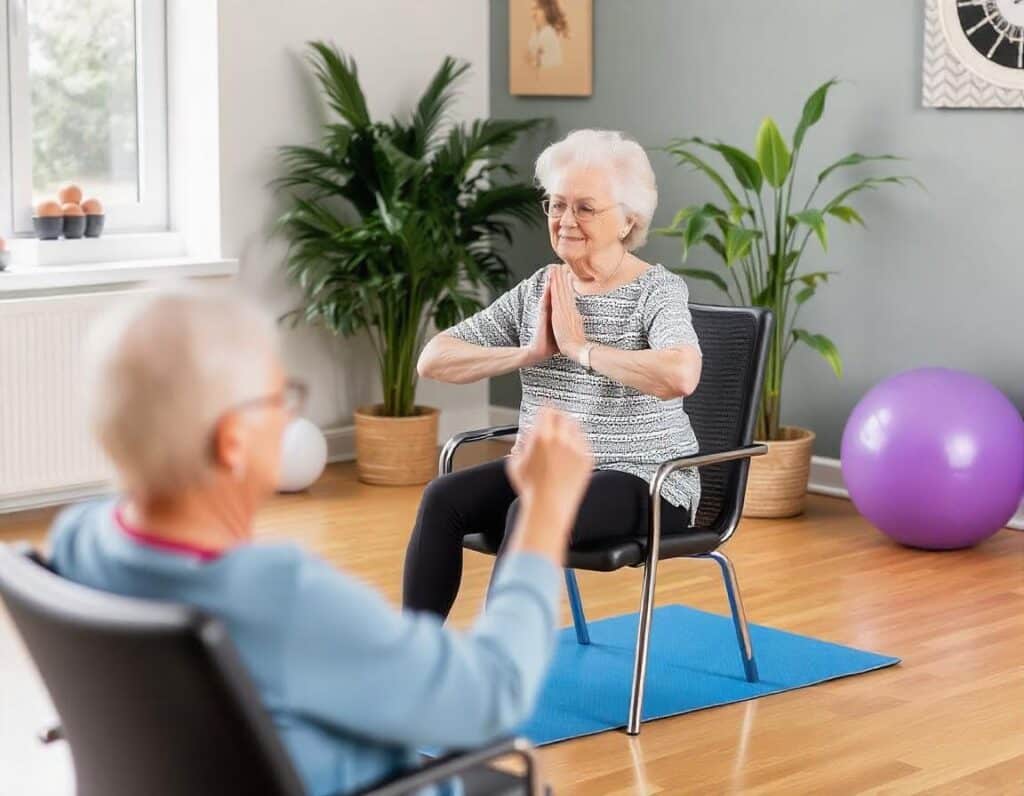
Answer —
995 29
987 38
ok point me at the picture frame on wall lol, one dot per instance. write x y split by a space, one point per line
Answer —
551 47
973 54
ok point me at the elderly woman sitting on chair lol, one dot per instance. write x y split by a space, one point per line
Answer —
603 335
189 400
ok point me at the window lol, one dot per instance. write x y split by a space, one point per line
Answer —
83 100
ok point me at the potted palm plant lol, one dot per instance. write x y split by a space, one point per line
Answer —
392 225
759 236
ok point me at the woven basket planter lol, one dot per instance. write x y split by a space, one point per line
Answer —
396 451
777 483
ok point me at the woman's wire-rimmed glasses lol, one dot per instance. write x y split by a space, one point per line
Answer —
291 398
582 211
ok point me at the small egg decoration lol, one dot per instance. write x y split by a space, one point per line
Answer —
93 210
70 195
74 220
70 216
48 220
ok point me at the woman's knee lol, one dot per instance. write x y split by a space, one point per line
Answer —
437 492
438 502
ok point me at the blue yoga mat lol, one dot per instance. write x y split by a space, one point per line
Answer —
694 663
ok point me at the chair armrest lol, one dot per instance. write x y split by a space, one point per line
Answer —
24 548
703 460
449 766
695 460
444 465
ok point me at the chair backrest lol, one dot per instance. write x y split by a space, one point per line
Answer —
152 697
723 408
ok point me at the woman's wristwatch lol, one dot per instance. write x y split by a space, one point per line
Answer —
585 356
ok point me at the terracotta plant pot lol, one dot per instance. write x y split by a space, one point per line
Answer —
396 451
777 483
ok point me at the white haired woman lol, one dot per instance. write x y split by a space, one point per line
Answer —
189 399
603 335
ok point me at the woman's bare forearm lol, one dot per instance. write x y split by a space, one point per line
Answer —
448 359
666 373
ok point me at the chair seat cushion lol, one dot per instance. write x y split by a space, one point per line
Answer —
611 554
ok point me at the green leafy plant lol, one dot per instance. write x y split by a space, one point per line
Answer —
392 225
760 239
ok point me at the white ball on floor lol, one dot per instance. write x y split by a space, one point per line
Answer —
303 455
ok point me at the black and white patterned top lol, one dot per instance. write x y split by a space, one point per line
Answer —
628 430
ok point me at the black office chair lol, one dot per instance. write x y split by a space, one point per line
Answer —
154 699
723 411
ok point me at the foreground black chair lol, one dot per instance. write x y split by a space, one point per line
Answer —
723 411
154 699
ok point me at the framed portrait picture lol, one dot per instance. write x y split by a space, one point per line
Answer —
551 47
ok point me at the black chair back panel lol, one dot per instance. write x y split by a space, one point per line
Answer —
152 697
723 409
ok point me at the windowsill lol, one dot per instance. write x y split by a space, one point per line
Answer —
29 252
19 281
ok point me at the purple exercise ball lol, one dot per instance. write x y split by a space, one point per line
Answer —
934 458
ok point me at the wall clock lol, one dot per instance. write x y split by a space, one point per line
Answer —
974 54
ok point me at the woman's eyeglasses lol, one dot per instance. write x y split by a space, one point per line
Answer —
292 398
582 211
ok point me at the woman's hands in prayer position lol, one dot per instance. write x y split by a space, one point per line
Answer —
559 323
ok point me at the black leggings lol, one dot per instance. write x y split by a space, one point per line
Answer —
481 500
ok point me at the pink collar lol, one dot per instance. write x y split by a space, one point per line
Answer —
151 540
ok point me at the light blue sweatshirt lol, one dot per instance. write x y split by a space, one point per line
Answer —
354 685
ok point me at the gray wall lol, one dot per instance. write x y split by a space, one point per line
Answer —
268 99
938 276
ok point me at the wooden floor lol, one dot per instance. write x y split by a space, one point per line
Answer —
949 720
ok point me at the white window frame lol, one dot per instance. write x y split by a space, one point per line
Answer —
6 210
151 212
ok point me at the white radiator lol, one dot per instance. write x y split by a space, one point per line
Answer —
45 446
47 455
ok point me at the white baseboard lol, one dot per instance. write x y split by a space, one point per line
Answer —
54 497
827 479
341 443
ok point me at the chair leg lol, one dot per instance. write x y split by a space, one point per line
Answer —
643 630
739 616
643 635
579 619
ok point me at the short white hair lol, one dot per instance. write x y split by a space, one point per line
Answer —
625 161
160 371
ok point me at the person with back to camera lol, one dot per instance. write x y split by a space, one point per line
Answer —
189 399
603 335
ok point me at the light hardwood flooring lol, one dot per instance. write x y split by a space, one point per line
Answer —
949 720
